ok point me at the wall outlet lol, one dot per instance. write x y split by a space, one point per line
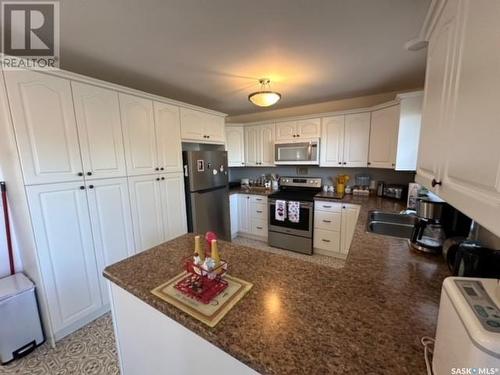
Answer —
302 171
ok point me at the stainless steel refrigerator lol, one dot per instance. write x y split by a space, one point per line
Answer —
207 193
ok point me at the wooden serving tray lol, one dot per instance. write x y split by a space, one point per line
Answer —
211 313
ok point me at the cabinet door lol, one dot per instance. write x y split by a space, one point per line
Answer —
146 208
356 139
45 127
100 131
233 214
111 220
251 146
332 141
348 226
168 137
243 213
139 135
471 175
173 206
384 137
235 145
63 236
438 77
286 131
192 125
266 143
310 128
214 128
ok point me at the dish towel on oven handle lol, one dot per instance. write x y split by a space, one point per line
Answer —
294 211
280 210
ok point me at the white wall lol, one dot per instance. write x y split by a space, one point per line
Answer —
4 258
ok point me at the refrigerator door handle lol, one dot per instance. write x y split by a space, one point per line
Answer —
186 171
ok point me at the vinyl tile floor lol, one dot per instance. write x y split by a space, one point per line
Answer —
89 351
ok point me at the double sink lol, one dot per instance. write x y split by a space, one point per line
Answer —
391 224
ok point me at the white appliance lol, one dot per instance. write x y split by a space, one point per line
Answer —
468 329
293 153
20 328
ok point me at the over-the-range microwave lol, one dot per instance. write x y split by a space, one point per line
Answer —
301 152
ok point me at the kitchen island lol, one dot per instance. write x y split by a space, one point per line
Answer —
299 318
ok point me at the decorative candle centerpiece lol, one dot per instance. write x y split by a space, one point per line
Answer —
205 271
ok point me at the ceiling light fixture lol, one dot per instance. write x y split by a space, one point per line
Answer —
264 97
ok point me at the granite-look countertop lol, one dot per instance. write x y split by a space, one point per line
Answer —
251 191
303 318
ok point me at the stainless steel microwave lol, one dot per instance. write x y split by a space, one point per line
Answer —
290 153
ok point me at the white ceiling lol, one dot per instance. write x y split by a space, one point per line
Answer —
212 52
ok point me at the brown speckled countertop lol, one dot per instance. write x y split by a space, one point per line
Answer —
303 318
251 191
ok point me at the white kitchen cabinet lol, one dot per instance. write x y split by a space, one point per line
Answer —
251 146
244 224
201 127
147 211
440 53
299 129
410 120
266 140
173 206
345 140
356 139
233 214
63 235
259 145
235 146
44 122
384 137
332 141
100 132
168 137
111 220
139 134
350 213
463 79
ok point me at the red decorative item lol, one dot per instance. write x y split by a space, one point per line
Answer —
209 236
202 284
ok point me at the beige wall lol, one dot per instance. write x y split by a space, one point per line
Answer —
331 106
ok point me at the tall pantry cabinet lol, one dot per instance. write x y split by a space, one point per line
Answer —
102 174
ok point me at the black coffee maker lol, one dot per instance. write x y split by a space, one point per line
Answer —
436 221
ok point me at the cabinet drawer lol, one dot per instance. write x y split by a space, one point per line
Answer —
327 220
327 206
258 199
327 240
258 211
259 228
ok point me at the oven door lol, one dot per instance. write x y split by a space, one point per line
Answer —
296 153
302 228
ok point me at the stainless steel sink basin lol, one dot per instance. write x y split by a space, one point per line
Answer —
390 224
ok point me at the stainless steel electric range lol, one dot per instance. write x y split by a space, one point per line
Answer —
295 235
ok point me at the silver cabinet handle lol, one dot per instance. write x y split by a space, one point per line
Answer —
258 199
259 227
326 221
259 212
325 240
327 206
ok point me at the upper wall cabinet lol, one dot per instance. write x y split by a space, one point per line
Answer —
356 139
332 141
45 127
459 157
201 127
291 130
259 145
100 132
235 146
139 134
168 137
384 137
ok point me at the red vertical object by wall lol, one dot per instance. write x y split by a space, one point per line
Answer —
7 227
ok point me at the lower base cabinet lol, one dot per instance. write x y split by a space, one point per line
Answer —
334 225
252 216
